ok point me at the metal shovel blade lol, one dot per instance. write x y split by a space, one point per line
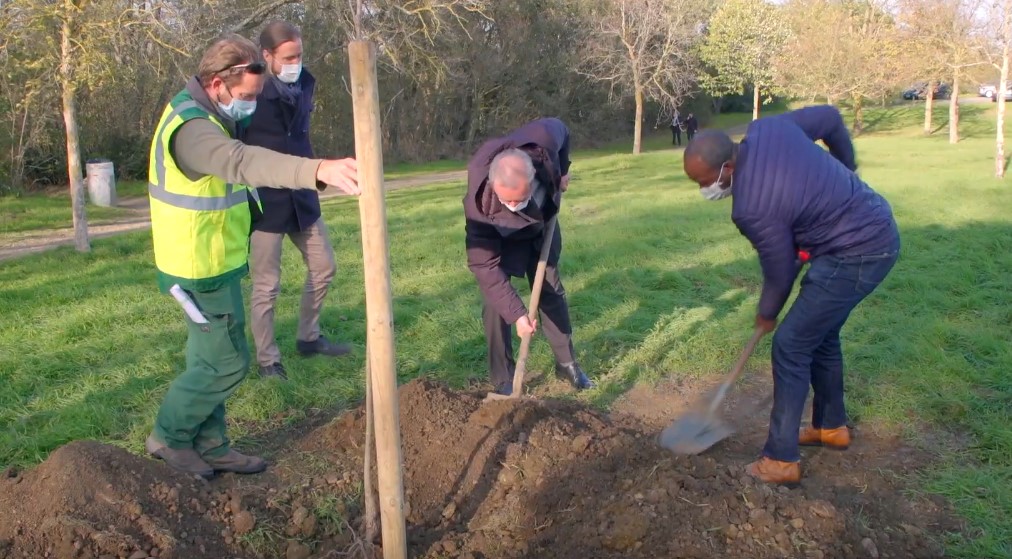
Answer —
702 427
491 396
694 432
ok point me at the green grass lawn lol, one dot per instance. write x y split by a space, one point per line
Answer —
661 285
19 214
130 189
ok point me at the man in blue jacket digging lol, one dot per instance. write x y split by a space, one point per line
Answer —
792 198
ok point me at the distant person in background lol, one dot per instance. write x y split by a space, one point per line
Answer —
691 127
676 129
281 123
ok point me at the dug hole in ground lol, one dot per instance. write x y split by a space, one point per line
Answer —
548 478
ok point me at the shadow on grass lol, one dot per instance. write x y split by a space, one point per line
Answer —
899 117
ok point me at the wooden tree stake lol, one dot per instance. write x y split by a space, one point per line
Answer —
378 296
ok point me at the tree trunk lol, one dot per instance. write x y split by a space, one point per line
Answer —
999 153
929 105
474 118
858 114
954 109
74 173
755 102
638 133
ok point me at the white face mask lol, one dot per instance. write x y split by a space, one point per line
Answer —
517 207
290 72
715 192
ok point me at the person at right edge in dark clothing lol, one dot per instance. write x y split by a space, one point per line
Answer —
791 197
514 187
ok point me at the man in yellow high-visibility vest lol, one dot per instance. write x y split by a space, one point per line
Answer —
200 222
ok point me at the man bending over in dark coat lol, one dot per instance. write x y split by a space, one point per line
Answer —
514 187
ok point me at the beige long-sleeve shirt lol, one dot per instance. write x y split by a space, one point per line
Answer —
200 147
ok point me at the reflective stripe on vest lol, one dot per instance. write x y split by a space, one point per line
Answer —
186 201
207 203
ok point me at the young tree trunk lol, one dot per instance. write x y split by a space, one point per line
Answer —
638 133
999 153
74 173
954 109
929 105
858 114
755 102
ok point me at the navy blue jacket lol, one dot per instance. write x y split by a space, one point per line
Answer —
790 194
500 242
284 127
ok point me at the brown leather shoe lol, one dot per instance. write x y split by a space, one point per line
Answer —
769 470
237 463
834 439
185 460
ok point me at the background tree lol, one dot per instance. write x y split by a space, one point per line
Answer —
644 49
1004 9
742 39
842 50
944 34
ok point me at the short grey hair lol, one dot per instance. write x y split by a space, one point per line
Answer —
508 175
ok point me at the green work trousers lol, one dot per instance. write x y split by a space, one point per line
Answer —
192 414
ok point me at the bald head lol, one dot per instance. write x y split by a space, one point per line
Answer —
511 175
706 154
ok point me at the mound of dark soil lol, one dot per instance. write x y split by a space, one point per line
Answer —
498 480
92 500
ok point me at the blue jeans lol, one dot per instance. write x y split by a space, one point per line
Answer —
806 346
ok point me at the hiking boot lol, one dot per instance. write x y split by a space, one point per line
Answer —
834 439
185 460
322 346
274 370
571 372
237 463
769 470
504 389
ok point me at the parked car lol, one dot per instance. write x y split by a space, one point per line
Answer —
919 90
987 90
1008 95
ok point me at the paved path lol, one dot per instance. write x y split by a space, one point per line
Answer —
30 242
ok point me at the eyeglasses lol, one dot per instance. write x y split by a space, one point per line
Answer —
255 68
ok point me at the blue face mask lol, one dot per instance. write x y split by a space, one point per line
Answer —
237 109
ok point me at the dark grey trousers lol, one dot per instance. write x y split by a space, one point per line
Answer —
554 322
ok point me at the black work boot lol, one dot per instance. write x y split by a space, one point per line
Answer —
274 370
322 346
237 463
571 372
185 460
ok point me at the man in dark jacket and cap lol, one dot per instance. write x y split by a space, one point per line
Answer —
514 187
795 201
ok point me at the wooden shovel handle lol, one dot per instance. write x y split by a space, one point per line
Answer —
532 308
539 275
739 366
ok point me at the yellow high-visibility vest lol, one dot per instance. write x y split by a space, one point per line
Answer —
200 228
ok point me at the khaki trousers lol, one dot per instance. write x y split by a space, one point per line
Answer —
265 268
